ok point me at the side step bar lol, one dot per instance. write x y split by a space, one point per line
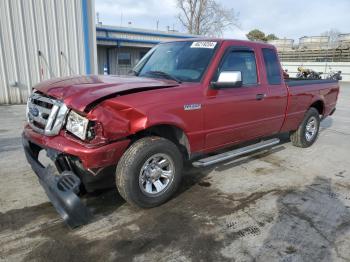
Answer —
235 153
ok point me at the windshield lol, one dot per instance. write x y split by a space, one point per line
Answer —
180 61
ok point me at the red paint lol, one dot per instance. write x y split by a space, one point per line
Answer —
227 116
91 157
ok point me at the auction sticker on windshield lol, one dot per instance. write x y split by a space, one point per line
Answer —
203 44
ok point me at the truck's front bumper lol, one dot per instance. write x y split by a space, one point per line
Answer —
92 157
61 189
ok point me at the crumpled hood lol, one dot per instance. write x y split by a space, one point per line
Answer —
78 92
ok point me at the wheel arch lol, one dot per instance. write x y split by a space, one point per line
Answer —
319 106
169 131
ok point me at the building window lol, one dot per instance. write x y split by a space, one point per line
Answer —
124 59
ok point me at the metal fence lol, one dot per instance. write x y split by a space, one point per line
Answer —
42 39
339 54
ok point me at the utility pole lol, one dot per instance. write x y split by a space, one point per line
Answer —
98 18
157 24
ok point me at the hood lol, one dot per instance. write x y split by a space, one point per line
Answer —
79 92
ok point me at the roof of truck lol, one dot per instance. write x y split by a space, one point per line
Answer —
236 41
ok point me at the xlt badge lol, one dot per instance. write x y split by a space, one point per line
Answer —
192 107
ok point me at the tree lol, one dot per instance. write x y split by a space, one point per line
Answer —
256 35
271 37
333 35
205 17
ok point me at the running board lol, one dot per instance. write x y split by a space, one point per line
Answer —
235 153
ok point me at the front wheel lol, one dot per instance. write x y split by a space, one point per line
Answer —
149 172
307 132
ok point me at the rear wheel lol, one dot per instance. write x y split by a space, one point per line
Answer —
307 132
149 172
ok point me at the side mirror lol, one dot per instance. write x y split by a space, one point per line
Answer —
228 79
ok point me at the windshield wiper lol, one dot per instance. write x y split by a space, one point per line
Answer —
163 74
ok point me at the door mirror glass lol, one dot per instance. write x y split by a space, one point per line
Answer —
228 79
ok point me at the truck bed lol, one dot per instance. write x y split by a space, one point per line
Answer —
302 82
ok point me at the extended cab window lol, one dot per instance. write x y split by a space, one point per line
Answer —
273 70
243 61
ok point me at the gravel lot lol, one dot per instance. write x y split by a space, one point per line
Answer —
286 204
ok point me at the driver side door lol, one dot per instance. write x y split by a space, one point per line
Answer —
235 114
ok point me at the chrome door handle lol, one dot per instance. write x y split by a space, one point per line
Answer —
260 96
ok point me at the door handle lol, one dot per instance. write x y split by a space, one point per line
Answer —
260 96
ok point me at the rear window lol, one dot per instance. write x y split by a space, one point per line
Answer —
273 70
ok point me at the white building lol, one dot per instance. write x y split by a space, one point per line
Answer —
120 48
44 39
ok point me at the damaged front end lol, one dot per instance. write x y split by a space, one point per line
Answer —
84 144
61 189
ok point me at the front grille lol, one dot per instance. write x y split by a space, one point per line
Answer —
45 115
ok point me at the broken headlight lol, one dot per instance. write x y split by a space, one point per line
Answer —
77 124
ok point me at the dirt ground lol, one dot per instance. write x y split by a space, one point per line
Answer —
286 204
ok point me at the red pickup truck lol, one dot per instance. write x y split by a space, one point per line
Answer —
184 99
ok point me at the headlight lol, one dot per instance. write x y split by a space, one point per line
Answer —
77 125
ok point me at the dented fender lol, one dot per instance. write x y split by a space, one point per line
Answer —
120 120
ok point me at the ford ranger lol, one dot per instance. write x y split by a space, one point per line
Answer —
183 100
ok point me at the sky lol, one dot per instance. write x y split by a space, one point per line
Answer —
284 18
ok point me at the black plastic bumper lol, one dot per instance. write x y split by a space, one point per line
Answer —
61 189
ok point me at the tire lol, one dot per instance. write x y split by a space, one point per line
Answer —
306 135
145 162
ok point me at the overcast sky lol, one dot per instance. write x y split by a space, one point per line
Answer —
290 19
